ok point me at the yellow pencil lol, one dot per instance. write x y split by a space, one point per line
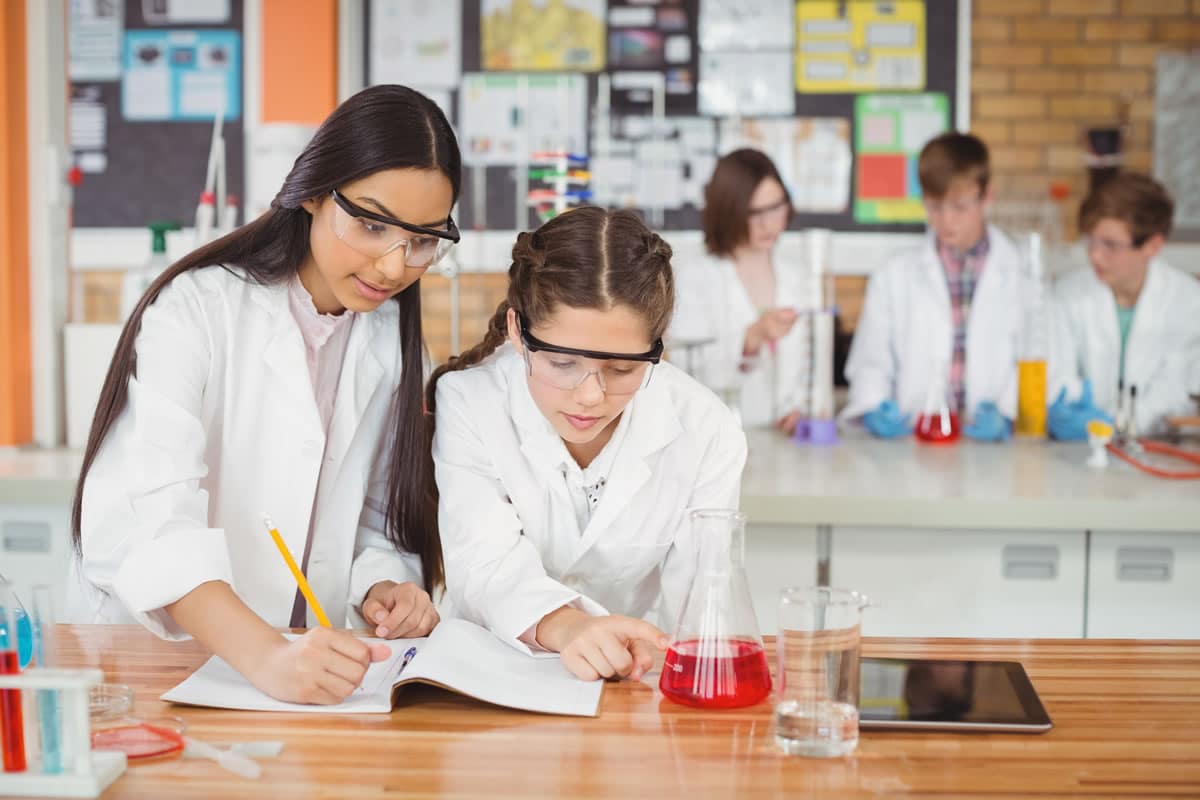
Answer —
301 581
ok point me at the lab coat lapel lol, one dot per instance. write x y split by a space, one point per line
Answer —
1141 360
939 324
539 443
362 376
542 448
987 334
653 424
1103 342
286 361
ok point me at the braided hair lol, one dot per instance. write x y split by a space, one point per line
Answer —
587 258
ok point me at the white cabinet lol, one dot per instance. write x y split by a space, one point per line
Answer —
964 583
1144 586
778 557
35 548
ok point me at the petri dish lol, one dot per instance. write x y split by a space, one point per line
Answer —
108 702
142 739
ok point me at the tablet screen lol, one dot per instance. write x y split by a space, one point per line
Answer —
917 693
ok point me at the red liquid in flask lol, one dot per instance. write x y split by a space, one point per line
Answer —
12 718
932 428
730 674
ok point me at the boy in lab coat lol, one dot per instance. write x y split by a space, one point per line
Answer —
943 318
1130 321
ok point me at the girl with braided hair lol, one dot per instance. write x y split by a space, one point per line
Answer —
567 453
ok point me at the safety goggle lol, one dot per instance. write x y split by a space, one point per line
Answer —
568 367
376 235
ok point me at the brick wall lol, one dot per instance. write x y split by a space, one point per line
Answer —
1044 70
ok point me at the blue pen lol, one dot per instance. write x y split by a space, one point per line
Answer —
49 718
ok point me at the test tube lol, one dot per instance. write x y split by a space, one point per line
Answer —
48 700
12 715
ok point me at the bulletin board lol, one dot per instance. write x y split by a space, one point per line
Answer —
145 77
841 93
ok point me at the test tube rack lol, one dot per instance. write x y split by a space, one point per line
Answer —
87 772
565 178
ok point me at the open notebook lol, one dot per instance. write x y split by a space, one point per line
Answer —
458 656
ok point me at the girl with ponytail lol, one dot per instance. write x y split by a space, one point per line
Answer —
567 453
279 369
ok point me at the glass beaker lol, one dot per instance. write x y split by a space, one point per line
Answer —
938 422
816 675
716 657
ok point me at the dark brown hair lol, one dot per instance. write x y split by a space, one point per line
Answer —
585 258
383 127
950 157
726 217
1135 199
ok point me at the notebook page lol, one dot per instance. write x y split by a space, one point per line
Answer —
218 685
471 660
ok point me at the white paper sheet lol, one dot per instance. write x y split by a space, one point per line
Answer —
504 118
416 43
746 24
812 154
746 84
94 29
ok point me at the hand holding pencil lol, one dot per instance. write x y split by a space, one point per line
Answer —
325 665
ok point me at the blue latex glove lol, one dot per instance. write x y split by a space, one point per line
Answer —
1067 422
989 424
887 422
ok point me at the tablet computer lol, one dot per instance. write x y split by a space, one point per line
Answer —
931 694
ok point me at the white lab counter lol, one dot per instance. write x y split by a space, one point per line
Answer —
1021 539
1021 485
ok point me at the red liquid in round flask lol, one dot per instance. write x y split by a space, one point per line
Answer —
729 674
716 658
940 428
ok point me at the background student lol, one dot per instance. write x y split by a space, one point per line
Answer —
743 299
945 313
1130 320
567 455
279 370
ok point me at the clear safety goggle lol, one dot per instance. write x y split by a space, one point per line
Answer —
375 235
568 367
1108 246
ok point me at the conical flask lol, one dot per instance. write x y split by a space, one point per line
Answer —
716 658
939 421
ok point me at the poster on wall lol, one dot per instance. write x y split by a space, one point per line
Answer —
94 29
416 43
657 37
1177 137
181 75
558 35
504 119
812 155
654 164
88 132
746 84
861 46
889 132
746 24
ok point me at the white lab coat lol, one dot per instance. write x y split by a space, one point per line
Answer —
1162 355
222 425
711 303
905 332
510 537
